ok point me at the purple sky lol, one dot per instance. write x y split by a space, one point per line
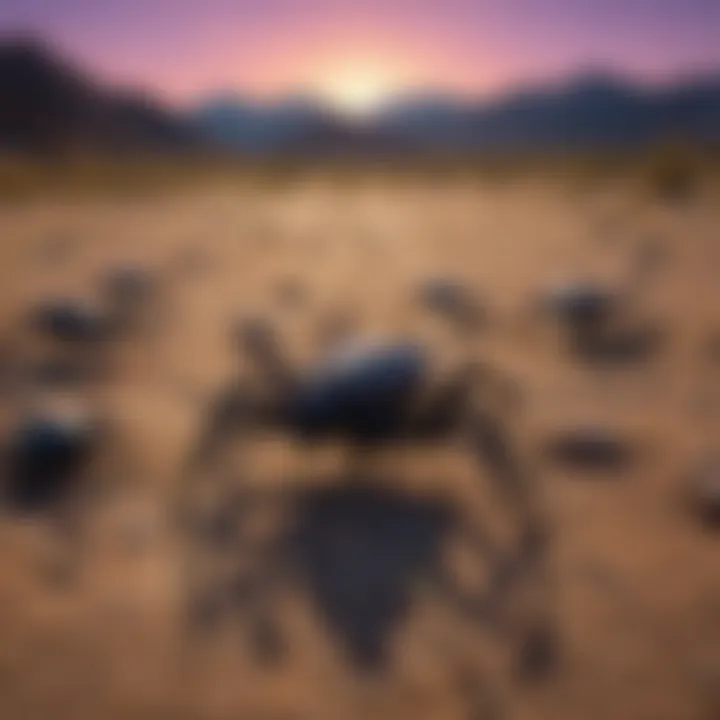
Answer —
184 48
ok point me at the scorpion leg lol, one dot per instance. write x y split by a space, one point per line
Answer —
224 419
252 595
530 566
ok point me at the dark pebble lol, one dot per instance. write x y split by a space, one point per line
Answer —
71 320
704 491
591 449
46 455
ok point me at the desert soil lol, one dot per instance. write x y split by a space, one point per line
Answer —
633 583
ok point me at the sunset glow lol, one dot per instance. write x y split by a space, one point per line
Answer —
353 55
356 92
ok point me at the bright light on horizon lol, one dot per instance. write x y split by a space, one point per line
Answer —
357 92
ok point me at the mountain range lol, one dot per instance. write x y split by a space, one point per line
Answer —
588 112
47 105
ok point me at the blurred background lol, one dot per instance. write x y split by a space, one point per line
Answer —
333 77
359 359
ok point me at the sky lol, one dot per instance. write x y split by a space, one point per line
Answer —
185 49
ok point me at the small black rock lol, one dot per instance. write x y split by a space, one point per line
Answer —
451 299
538 653
71 320
46 454
590 448
128 284
704 490
581 304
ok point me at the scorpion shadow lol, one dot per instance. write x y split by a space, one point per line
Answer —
361 551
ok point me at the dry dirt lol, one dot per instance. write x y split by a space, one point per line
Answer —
634 578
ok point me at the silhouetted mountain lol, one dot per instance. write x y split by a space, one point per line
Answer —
235 124
599 111
593 111
432 119
294 126
47 105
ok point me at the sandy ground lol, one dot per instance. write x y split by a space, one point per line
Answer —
634 578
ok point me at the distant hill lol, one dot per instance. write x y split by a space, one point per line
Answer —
49 106
234 123
600 111
592 111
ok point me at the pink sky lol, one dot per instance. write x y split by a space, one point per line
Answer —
186 48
